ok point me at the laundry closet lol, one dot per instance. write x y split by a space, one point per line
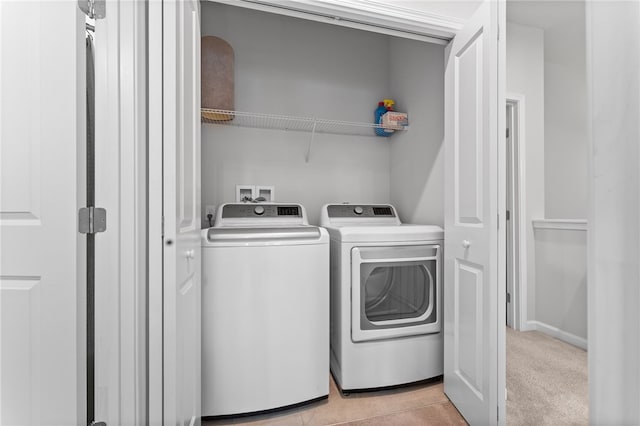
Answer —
305 92
287 66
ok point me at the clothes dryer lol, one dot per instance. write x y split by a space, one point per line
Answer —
265 310
386 297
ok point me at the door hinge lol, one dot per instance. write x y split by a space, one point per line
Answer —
94 9
508 214
507 132
508 297
92 220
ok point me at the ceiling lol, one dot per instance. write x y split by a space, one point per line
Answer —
563 22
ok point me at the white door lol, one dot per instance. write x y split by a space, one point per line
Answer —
472 335
42 255
181 192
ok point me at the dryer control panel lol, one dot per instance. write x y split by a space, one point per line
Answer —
355 210
359 215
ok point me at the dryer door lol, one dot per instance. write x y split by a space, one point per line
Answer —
396 291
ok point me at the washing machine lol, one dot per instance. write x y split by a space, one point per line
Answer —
386 297
265 310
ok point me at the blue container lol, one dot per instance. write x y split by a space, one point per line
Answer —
379 112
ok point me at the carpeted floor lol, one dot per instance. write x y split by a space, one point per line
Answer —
546 381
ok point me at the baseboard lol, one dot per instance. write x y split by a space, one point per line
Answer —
526 326
552 331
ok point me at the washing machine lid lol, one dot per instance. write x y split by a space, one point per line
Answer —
385 233
263 236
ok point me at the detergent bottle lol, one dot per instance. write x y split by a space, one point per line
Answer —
379 112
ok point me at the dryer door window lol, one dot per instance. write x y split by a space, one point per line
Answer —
396 291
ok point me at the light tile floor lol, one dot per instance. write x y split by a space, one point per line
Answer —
423 404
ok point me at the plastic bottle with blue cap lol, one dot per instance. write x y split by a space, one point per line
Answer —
383 107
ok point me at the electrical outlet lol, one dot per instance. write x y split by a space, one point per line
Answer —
209 210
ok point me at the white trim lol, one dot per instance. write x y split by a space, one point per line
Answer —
120 380
393 12
512 230
521 288
501 311
370 15
560 224
559 334
596 307
155 206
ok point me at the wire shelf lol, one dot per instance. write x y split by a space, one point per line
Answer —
289 123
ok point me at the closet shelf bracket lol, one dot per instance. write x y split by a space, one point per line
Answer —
313 135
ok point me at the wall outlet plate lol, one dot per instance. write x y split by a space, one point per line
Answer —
209 210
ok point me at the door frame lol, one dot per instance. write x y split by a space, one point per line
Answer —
155 193
501 349
121 184
520 303
155 224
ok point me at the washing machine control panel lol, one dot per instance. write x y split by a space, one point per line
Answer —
260 210
352 210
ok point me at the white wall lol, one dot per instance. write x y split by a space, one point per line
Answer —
417 156
613 60
290 66
561 284
525 76
565 127
565 149
561 255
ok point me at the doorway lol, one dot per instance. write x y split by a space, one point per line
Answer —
516 263
513 219
546 364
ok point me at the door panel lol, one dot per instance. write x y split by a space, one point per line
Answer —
468 125
468 324
42 257
181 192
189 120
471 218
